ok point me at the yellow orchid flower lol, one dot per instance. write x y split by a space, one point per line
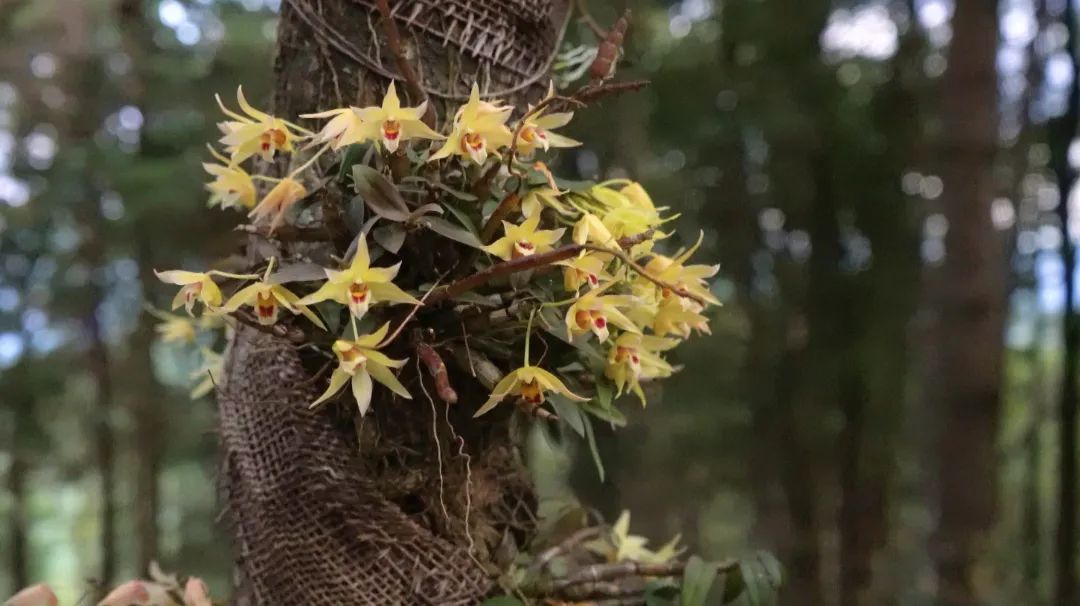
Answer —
173 328
524 240
679 316
633 357
691 278
208 373
619 545
537 199
537 130
391 124
344 128
196 286
232 186
255 132
360 361
267 299
594 311
480 128
588 269
361 286
529 383
278 200
589 228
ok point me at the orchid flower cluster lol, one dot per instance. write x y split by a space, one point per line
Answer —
583 260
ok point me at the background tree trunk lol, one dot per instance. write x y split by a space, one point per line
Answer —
966 377
421 511
1062 135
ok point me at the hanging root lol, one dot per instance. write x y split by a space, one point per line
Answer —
437 369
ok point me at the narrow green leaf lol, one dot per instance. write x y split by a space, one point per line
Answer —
569 412
698 578
298 272
591 439
447 229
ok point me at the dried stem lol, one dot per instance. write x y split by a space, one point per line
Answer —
563 547
412 80
510 203
513 266
437 369
625 258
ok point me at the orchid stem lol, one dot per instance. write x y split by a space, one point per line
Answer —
528 335
310 161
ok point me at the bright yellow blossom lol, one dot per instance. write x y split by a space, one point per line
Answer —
267 299
593 311
589 228
691 278
529 383
677 315
196 286
391 124
524 240
620 545
361 286
537 131
174 328
232 186
360 361
480 128
255 132
633 357
537 199
588 268
278 200
344 128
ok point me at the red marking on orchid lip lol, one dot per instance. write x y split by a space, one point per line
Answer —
472 141
601 322
391 130
635 359
265 311
593 279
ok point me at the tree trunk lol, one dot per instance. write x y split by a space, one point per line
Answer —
16 488
970 306
1062 134
420 510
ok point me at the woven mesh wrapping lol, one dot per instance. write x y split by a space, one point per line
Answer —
422 514
309 527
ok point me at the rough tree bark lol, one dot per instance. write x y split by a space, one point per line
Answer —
416 503
970 304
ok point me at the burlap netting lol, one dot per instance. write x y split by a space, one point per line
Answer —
424 508
310 528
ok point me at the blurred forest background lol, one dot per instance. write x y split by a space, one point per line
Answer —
887 184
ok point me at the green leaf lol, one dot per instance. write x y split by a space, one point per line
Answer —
447 229
698 578
379 194
353 155
390 237
298 272
758 578
569 412
591 439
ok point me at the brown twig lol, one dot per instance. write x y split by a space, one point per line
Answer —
412 313
293 334
625 258
563 547
437 369
590 21
513 266
617 579
508 205
482 188
412 80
